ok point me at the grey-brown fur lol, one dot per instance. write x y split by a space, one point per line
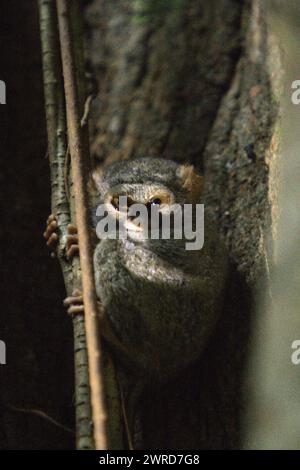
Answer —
161 300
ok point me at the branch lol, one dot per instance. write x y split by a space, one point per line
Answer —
56 129
79 157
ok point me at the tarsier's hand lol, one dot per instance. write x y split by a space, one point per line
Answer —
52 238
74 302
51 235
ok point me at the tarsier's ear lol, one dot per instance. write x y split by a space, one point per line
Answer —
97 173
191 182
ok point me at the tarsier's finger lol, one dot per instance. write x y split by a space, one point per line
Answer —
51 218
74 309
72 251
72 247
71 240
51 227
72 229
52 240
73 300
69 301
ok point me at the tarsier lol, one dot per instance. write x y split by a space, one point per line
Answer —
160 300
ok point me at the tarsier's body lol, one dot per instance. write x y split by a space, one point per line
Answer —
160 301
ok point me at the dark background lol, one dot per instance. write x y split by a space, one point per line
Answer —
33 323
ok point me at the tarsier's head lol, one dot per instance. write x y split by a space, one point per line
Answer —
151 182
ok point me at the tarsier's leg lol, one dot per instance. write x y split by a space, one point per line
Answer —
52 237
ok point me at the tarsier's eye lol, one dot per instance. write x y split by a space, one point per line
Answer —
155 202
160 199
